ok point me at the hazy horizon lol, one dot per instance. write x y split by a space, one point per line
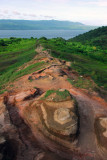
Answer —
88 12
50 20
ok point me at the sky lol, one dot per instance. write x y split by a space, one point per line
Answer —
89 12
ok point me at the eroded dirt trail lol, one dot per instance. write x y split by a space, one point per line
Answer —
26 128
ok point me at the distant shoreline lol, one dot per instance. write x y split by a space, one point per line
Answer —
66 34
42 25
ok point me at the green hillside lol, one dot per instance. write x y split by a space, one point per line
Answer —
14 52
96 37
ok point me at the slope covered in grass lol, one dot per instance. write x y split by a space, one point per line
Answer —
96 37
14 52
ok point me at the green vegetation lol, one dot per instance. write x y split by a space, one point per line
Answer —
14 52
97 37
15 45
2 91
87 59
59 95
13 74
82 83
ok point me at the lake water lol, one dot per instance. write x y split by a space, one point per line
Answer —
66 34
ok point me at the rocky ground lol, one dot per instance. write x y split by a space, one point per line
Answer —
65 123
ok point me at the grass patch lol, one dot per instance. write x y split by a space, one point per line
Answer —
35 87
44 49
2 91
13 45
82 83
14 74
30 80
59 95
32 68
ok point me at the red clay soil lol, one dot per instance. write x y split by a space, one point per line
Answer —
22 134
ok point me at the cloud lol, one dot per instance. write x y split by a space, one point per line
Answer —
29 15
1 14
32 15
16 13
53 0
61 0
100 3
46 16
4 11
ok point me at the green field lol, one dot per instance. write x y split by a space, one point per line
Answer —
14 52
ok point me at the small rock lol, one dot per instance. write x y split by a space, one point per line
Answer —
68 64
103 122
22 95
2 140
62 90
40 156
101 131
30 78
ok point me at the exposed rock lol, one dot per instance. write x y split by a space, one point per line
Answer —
2 140
48 156
61 121
101 131
26 94
57 125
68 64
14 142
40 156
103 123
53 121
41 75
55 70
63 116
30 78
51 126
62 61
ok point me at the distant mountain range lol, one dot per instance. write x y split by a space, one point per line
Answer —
42 25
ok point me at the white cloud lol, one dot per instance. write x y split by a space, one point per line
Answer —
100 3
16 13
65 1
4 14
